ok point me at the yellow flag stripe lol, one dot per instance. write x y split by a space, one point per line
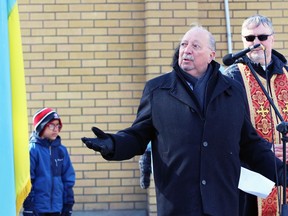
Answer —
19 111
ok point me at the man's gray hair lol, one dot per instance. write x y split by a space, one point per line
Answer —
212 43
255 21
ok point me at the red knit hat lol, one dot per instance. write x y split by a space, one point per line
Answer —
43 117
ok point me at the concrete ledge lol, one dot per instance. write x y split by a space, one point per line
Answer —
111 213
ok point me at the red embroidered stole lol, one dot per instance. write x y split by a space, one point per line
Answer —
265 120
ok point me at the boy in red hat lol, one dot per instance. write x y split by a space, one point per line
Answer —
51 170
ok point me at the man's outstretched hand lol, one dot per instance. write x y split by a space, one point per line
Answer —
103 143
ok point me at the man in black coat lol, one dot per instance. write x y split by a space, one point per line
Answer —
199 128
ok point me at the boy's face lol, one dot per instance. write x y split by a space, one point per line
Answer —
51 130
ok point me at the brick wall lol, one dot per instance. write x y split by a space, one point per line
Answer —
89 59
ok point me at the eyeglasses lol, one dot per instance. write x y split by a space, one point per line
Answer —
52 126
262 37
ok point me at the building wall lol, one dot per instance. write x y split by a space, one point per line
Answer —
90 59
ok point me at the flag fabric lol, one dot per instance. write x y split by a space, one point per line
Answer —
14 150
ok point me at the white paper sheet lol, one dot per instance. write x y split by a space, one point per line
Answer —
255 183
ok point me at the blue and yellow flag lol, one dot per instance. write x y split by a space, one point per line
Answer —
14 151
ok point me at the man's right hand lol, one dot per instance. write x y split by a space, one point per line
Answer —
279 151
103 143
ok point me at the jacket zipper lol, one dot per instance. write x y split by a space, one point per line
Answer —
51 170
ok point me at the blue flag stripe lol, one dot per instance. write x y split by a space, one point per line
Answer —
7 182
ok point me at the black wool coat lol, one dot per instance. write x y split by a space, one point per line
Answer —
196 155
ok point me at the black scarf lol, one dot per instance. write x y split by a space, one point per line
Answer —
198 85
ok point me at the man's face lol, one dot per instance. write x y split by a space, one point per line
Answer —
195 53
257 55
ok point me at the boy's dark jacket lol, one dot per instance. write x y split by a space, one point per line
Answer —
52 177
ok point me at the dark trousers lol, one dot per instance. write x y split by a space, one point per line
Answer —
247 205
49 214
